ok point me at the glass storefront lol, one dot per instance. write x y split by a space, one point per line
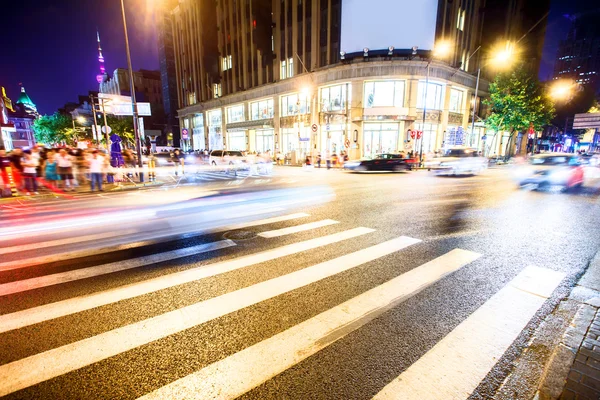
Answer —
236 140
429 137
333 98
265 141
215 134
435 95
262 109
198 139
333 140
290 140
380 138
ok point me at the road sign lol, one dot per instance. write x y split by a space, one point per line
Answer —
314 127
304 139
104 128
419 134
185 134
347 143
413 134
327 127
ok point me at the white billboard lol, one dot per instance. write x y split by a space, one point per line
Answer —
379 24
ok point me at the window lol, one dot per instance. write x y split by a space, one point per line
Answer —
261 109
290 67
235 114
216 89
333 98
287 68
384 94
434 96
456 101
226 63
460 20
198 120
214 118
283 70
295 104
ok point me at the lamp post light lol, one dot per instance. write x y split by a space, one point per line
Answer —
138 145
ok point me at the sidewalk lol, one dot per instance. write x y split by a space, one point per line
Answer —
573 371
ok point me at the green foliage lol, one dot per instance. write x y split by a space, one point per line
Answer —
517 100
122 126
54 129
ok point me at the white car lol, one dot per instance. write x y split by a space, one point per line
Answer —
460 161
228 160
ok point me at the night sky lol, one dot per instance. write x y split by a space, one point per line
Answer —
50 46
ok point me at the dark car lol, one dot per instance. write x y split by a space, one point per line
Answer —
381 162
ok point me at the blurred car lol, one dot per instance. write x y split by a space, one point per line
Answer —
381 162
459 161
553 169
230 159
591 159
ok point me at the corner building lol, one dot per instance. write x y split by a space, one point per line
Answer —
269 75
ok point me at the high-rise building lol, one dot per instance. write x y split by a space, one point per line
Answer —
166 54
578 56
306 76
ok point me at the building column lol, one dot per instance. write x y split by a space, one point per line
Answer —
355 115
223 129
276 125
443 126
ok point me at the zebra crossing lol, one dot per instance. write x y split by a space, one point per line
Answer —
451 369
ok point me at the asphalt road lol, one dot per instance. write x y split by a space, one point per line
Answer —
196 290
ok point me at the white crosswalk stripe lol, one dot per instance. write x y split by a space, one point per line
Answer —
46 312
69 276
237 374
452 369
457 364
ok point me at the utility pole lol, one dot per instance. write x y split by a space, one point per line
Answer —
105 124
136 131
94 126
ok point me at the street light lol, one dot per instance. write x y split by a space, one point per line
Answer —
136 131
503 57
562 90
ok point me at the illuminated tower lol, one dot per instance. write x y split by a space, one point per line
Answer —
101 76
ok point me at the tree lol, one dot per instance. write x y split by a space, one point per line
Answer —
54 129
518 101
122 126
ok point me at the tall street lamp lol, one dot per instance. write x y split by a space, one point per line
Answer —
138 145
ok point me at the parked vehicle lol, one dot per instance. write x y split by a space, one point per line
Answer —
549 170
381 162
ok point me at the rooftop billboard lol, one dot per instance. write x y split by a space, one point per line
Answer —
378 24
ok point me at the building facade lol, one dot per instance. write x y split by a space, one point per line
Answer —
269 75
16 121
578 57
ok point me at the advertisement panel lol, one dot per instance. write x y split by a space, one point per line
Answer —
378 24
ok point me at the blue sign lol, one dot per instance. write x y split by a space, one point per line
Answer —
304 139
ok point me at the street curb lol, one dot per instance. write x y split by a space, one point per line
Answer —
554 377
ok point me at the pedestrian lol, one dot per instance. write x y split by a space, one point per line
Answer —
96 164
17 169
50 173
5 189
319 160
334 160
29 173
178 160
328 158
65 170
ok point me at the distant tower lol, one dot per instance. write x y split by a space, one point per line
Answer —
100 77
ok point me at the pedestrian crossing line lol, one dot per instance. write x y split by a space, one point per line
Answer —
32 370
74 305
237 374
298 228
121 242
457 364
84 273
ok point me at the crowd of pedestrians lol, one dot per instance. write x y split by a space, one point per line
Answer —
60 169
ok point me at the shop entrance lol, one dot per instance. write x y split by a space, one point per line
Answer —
380 138
265 141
